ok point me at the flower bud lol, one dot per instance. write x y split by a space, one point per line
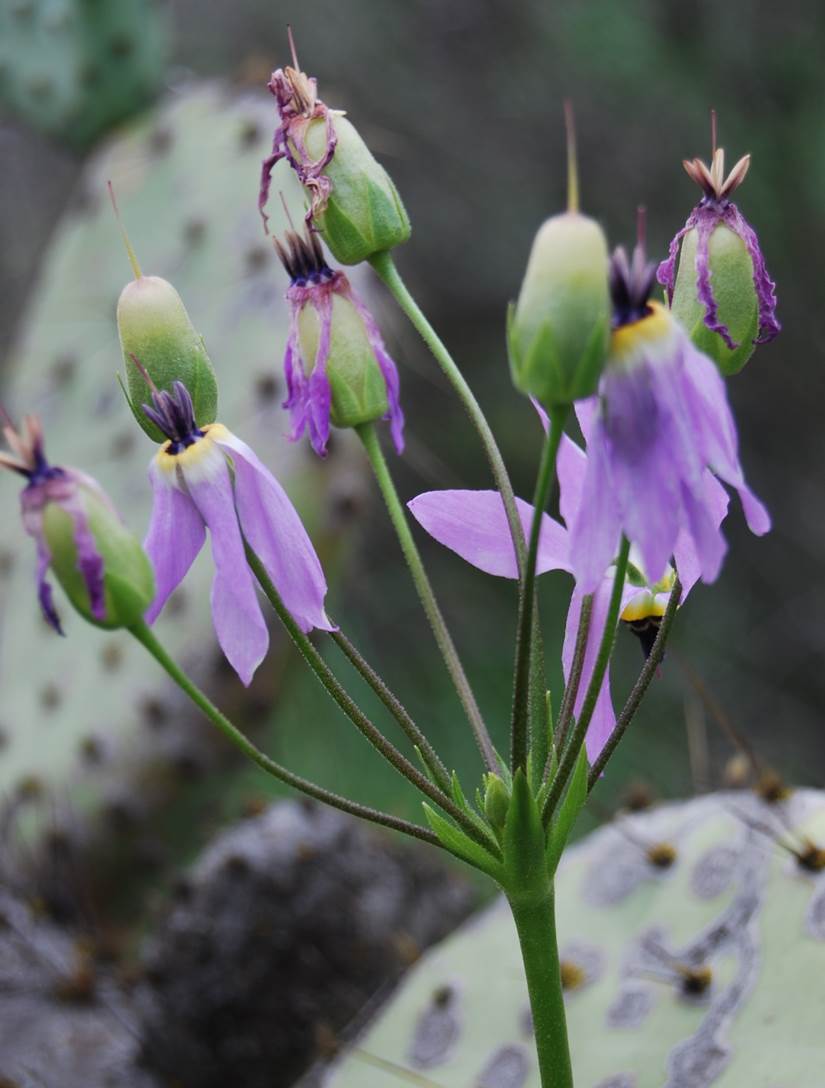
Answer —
363 213
156 331
357 386
557 332
128 579
496 801
731 273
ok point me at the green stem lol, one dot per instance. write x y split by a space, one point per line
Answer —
395 707
535 920
398 516
527 597
643 682
384 267
145 636
571 750
359 719
571 691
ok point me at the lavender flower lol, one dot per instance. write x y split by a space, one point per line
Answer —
78 535
716 209
205 477
474 525
336 365
660 421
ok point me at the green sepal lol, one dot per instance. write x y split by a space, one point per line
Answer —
364 213
731 271
570 807
460 845
523 841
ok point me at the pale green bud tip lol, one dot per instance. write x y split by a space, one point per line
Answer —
496 801
558 330
159 343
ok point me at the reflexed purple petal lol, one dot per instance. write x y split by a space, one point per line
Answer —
595 532
684 552
320 394
275 533
708 543
296 388
89 559
236 613
769 326
586 413
388 369
473 524
705 399
176 535
44 590
571 465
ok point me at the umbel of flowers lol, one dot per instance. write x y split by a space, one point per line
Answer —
641 501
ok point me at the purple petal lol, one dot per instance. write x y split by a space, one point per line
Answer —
571 465
176 535
707 540
769 326
239 625
275 533
685 553
473 524
319 393
595 530
296 386
89 559
388 369
586 413
706 401
44 590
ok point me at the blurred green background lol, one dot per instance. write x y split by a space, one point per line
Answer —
462 102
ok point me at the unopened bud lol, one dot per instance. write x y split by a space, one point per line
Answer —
159 340
127 577
363 214
496 801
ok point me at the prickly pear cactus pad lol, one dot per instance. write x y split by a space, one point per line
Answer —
79 715
74 67
689 936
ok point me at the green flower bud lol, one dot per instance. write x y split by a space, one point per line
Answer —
558 331
496 801
737 307
359 392
155 330
363 214
128 578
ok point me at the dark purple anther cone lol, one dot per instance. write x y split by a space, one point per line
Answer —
713 210
174 415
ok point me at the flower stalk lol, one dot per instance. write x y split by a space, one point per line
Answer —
425 592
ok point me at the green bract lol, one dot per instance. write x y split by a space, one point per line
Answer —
731 277
129 581
364 214
155 328
557 332
359 392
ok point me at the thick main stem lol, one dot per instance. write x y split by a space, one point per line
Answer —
145 636
398 516
527 598
384 266
535 919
